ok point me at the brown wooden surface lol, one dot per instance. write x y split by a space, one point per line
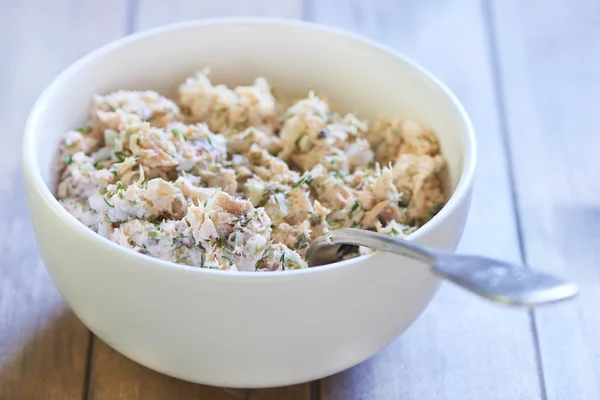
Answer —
528 74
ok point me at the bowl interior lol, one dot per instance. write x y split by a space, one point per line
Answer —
356 75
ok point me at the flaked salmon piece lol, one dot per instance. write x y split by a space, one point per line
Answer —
238 179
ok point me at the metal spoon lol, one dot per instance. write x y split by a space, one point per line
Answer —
492 279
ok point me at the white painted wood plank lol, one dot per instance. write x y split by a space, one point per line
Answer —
549 54
152 13
42 345
461 348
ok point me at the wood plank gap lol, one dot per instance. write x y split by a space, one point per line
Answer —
131 16
89 357
538 354
307 10
497 82
315 390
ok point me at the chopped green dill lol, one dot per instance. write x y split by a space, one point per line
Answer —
207 240
238 219
68 160
120 156
246 222
169 154
355 207
356 224
218 241
273 92
395 232
154 234
299 138
336 224
331 115
395 132
274 196
177 132
120 186
202 261
82 129
305 179
282 261
107 203
210 142
338 175
262 258
255 212
228 259
323 133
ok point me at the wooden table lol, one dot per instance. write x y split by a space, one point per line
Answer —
528 73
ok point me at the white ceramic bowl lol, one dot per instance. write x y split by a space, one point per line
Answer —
244 329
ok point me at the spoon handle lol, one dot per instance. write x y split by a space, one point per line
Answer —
378 241
493 279
501 281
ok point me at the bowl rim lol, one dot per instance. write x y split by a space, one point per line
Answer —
33 175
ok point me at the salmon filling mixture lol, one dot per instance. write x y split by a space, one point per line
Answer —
236 179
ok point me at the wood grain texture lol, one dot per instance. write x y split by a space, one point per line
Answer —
116 377
461 347
549 56
42 344
112 376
